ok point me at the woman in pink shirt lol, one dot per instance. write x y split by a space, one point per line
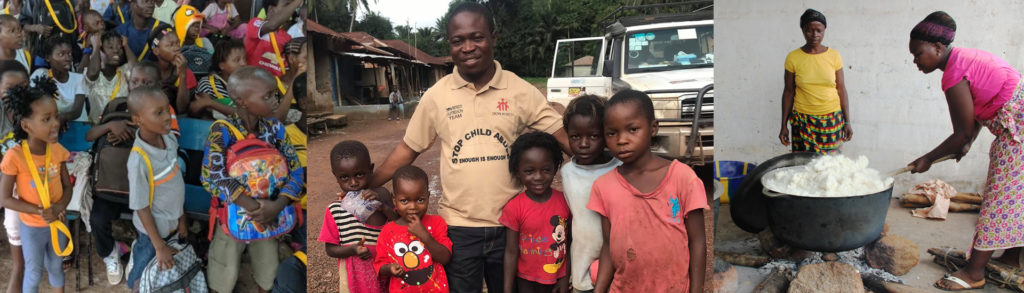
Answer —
981 89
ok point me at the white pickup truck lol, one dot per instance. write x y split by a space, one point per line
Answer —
668 56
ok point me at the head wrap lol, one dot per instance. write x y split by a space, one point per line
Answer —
185 16
812 15
937 27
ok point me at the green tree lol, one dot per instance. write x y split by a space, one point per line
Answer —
376 25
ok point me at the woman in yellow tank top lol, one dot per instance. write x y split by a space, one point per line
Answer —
814 101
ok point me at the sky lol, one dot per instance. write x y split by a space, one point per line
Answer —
418 13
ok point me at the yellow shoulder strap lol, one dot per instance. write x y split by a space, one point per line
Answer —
149 168
43 190
301 256
213 85
238 134
277 52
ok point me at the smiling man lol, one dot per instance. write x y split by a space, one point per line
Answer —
476 112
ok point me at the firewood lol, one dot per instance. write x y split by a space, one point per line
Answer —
967 197
739 259
914 201
776 282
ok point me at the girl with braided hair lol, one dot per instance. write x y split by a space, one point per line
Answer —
981 90
43 185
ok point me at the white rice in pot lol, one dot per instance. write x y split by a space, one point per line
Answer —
828 176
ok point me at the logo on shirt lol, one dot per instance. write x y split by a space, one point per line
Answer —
479 133
503 105
675 207
558 234
415 262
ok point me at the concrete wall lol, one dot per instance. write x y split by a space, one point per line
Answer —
898 113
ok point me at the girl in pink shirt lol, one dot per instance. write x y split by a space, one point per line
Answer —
537 240
981 89
653 206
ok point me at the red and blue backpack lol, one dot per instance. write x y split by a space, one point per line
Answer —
263 170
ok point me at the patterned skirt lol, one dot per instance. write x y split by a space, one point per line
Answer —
1001 220
816 133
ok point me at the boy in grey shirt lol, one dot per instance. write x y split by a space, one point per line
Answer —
156 219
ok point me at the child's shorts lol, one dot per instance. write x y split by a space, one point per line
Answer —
11 223
225 257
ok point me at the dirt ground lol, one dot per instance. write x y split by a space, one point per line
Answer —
380 136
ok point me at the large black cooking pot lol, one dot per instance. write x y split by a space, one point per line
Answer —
827 224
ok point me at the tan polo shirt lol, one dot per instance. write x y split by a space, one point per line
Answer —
476 128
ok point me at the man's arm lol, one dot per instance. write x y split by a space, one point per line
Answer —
402 155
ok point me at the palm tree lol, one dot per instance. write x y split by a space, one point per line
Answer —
354 5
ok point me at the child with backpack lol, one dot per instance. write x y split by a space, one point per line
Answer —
11 74
42 198
51 19
187 23
156 186
178 80
106 71
252 207
211 97
12 42
71 90
223 20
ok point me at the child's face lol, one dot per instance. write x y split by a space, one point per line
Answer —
154 115
60 58
93 23
139 78
259 98
298 61
235 60
586 138
352 174
628 131
12 79
193 31
43 123
144 7
112 52
411 197
11 35
536 170
168 47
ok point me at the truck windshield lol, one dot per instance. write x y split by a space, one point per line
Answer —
670 49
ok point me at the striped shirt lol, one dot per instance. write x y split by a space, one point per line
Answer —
350 230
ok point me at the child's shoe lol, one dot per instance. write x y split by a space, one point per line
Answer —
114 271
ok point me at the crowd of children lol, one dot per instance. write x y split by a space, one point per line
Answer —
555 241
128 70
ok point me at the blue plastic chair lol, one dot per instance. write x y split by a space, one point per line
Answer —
193 138
74 138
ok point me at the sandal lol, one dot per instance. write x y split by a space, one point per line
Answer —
67 262
960 282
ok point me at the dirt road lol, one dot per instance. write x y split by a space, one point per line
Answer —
380 136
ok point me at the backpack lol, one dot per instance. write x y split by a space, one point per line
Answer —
109 168
198 59
186 275
263 170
